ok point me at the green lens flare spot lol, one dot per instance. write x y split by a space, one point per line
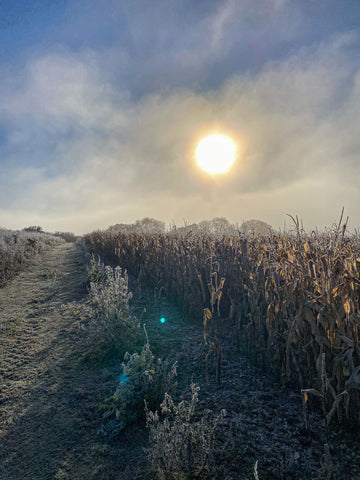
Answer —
162 320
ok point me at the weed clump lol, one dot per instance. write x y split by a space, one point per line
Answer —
144 379
181 444
110 296
18 247
95 272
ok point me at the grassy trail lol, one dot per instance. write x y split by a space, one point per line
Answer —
47 392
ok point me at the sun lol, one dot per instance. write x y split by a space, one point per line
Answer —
216 154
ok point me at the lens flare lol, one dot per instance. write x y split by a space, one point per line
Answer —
123 379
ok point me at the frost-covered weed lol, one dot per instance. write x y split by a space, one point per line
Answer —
109 295
96 271
181 445
143 378
17 247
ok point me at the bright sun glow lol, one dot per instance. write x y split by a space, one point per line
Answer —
216 154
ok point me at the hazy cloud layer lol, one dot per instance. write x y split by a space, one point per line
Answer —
81 150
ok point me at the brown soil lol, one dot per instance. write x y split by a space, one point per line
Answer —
263 421
50 388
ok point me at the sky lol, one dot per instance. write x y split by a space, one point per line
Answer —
102 105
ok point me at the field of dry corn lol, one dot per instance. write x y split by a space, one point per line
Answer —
291 300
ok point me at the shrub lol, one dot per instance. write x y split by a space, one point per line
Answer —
109 295
34 228
180 445
67 236
143 378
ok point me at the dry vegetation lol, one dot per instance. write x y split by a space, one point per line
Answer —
17 247
292 300
73 340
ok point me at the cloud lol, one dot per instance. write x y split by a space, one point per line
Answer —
81 153
146 47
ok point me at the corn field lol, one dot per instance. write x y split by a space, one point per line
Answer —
293 299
